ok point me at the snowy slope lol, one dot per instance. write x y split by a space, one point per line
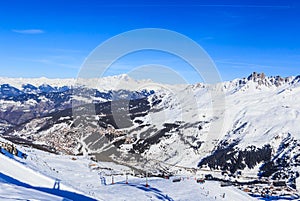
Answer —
10 192
261 114
82 173
23 182
18 171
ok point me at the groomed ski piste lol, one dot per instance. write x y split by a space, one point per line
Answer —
46 176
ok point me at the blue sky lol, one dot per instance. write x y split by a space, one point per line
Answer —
52 38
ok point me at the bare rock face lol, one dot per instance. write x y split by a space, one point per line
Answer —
256 77
262 79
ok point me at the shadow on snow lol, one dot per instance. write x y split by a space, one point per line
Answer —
158 194
276 197
57 192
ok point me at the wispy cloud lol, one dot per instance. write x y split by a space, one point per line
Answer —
284 65
28 31
242 6
53 62
243 64
56 63
201 5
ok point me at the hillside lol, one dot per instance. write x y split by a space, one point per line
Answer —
35 178
246 126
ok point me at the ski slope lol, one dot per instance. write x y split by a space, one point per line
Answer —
19 181
34 179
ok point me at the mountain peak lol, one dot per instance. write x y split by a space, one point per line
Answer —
256 76
262 79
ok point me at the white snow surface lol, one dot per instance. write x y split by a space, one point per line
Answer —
80 175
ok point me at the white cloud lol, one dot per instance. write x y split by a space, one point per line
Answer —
29 31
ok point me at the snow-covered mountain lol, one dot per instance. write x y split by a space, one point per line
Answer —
101 84
25 99
247 125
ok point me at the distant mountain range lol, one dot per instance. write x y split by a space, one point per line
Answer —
116 119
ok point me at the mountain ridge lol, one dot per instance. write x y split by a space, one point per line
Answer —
173 125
